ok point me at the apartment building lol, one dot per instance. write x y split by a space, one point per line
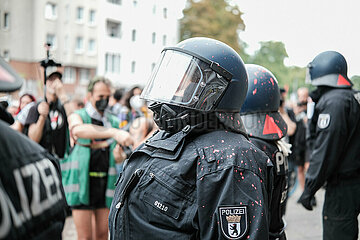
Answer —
121 39
132 34
68 25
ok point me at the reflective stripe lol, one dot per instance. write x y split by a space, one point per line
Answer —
112 171
97 174
71 188
110 193
69 165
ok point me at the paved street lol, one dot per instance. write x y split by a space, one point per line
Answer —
301 224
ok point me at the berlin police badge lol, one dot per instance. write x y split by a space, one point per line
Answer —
233 221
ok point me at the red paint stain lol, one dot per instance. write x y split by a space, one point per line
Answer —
254 92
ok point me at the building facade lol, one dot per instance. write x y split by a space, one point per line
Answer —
132 34
68 25
120 39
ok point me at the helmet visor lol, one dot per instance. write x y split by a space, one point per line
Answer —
184 80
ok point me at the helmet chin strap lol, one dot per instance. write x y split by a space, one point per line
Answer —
170 118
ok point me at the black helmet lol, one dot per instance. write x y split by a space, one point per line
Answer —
9 80
328 69
260 109
199 74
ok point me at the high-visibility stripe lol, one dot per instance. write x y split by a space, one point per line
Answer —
97 174
110 193
112 171
69 165
71 188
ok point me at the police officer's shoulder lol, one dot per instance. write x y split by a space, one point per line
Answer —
223 149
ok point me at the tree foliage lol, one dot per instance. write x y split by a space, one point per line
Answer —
214 19
356 81
271 55
222 21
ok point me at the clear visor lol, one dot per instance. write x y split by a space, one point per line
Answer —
183 80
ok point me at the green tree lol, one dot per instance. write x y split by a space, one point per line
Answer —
271 55
356 81
214 19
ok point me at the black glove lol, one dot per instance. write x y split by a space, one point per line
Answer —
307 200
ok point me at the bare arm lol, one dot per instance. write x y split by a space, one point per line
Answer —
17 126
290 124
90 131
36 129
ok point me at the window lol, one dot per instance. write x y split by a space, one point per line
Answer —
165 13
6 21
133 35
112 63
50 11
133 65
84 76
51 39
92 17
80 14
69 75
118 2
113 29
92 47
164 40
79 47
153 38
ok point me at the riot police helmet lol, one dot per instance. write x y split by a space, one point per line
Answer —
260 111
199 75
328 69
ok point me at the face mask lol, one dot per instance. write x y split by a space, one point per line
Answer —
102 104
136 102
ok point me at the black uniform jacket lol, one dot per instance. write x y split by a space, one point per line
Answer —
279 184
191 186
335 129
32 200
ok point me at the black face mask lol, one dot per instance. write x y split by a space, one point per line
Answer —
102 104
318 92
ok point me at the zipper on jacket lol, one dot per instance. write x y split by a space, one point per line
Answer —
130 185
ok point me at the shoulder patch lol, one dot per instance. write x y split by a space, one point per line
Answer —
323 120
357 97
233 221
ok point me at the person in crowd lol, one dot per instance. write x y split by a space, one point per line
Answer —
334 128
198 177
4 114
46 122
301 151
89 172
26 101
32 201
266 129
116 107
132 107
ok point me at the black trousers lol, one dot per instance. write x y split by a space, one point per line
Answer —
341 209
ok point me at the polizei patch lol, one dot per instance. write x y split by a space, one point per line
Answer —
233 221
323 120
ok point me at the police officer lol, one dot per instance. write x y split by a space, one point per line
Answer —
335 130
32 201
266 128
198 177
